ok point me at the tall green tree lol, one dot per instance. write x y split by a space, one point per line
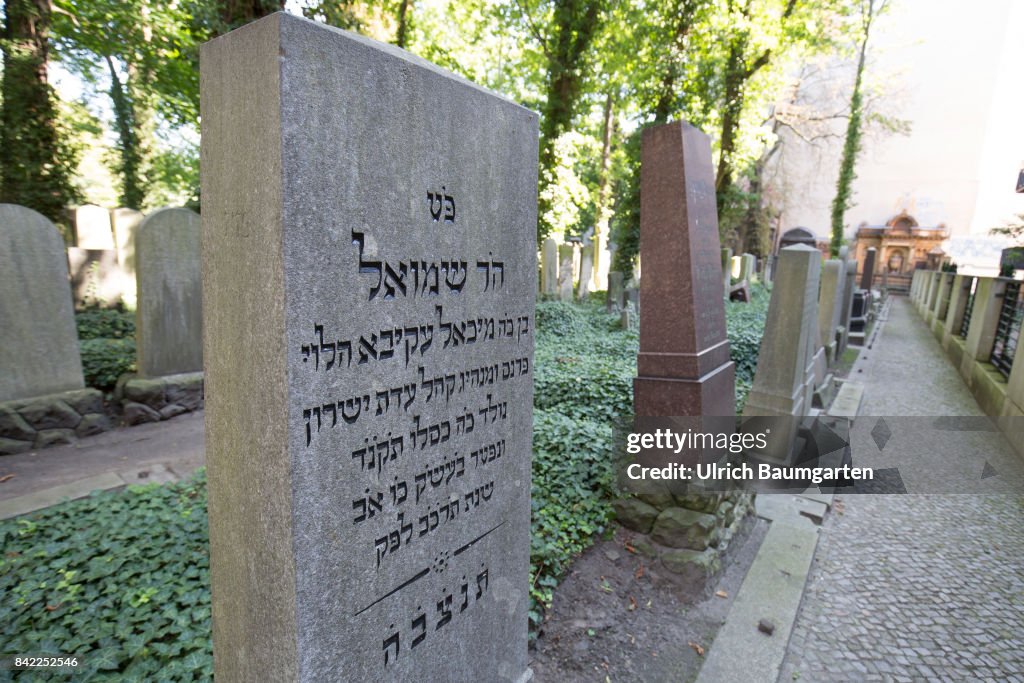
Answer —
37 160
869 12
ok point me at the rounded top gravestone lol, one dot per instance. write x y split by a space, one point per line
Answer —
38 341
169 317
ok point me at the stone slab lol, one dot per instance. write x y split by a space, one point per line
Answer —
12 507
169 316
369 287
771 591
92 228
96 277
38 340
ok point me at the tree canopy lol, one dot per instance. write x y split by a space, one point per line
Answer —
597 72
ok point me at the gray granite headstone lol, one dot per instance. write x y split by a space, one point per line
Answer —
126 223
785 360
38 340
92 228
748 266
96 277
169 315
849 287
830 298
586 271
549 267
615 292
726 270
369 280
566 260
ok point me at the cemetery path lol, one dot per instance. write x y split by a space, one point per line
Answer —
175 448
915 587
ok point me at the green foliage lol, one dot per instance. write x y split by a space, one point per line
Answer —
571 497
120 579
744 328
104 323
38 157
105 360
625 223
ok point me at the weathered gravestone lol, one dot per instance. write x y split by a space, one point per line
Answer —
614 299
726 269
369 287
781 382
38 340
126 223
92 228
169 316
96 277
683 367
867 277
566 263
549 267
849 287
586 271
748 266
830 305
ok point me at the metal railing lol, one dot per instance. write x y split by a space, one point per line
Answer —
1008 329
965 322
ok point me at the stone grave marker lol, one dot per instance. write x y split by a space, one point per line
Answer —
566 259
369 264
830 305
726 269
849 287
867 277
92 228
614 299
683 367
781 387
125 223
549 267
96 277
586 271
169 316
38 339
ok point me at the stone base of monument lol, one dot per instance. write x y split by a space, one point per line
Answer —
152 399
690 534
825 392
51 420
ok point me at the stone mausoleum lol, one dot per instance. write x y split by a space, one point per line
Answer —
902 245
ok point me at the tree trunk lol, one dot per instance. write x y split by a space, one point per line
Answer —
36 164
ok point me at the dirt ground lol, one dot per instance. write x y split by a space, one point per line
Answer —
618 616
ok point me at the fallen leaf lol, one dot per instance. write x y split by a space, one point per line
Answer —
50 608
696 648
630 548
721 594
632 603
6 477
639 573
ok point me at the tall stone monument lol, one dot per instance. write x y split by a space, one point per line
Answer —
566 265
781 387
726 269
169 316
845 313
126 224
38 340
683 367
369 280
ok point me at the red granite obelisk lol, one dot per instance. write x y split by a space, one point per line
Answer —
683 368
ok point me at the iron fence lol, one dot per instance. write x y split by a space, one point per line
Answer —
1008 329
965 322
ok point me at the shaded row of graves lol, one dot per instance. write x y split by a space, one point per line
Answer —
151 262
977 321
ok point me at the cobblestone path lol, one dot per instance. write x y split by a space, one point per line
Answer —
914 587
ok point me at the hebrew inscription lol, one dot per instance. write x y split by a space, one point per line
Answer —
418 420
